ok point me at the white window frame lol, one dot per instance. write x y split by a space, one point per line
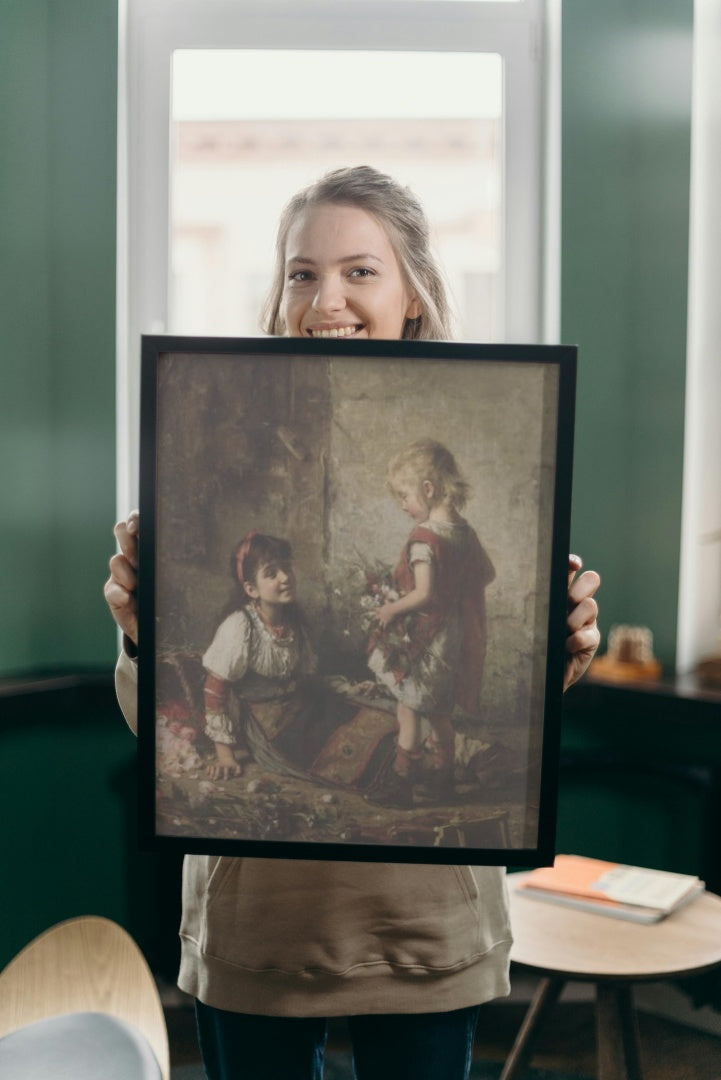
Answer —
526 34
699 597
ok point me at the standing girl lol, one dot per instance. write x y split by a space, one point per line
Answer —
434 660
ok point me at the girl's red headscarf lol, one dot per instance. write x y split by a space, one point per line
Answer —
242 554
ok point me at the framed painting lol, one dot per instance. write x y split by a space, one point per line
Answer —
352 597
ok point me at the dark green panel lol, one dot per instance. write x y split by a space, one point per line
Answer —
641 777
69 801
626 146
64 789
627 816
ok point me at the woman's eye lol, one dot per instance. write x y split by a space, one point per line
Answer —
300 276
362 272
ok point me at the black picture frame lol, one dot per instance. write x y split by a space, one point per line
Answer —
291 437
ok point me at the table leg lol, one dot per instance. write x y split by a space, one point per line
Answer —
545 997
617 1033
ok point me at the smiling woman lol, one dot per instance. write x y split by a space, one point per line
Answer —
436 941
353 259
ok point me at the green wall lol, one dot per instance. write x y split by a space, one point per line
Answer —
626 145
58 73
626 135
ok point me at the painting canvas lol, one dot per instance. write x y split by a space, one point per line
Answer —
352 597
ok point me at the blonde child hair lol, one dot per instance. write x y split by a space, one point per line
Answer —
427 459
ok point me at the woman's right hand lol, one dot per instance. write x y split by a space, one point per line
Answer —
121 587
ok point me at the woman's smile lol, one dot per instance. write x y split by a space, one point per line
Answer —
335 331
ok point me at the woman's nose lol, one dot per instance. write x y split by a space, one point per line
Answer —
329 295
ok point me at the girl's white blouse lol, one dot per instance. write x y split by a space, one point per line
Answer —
243 644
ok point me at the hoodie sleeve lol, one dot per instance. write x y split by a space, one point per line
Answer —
126 688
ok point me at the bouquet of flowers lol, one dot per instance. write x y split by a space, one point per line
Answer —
379 590
393 640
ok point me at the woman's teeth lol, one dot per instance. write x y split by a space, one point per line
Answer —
337 331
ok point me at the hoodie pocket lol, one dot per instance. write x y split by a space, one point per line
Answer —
297 916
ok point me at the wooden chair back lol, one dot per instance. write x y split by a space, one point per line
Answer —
87 964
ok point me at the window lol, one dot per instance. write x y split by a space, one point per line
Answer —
236 161
227 107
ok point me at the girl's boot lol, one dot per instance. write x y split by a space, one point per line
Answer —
438 776
394 786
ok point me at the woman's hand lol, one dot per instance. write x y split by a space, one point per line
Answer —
121 587
582 633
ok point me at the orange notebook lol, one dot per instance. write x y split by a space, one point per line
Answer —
631 892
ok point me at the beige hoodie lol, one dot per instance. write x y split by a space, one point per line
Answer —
284 937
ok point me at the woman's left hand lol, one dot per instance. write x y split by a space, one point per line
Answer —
582 633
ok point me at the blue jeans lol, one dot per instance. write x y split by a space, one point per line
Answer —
414 1046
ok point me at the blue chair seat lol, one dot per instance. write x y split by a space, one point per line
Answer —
78 1046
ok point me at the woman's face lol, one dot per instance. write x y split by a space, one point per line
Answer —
342 277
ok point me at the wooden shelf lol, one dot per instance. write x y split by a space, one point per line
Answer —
683 695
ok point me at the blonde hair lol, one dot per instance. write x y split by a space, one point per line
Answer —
402 216
427 459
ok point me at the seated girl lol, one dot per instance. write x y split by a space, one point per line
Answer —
262 655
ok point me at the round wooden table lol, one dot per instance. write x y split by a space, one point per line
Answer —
563 944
